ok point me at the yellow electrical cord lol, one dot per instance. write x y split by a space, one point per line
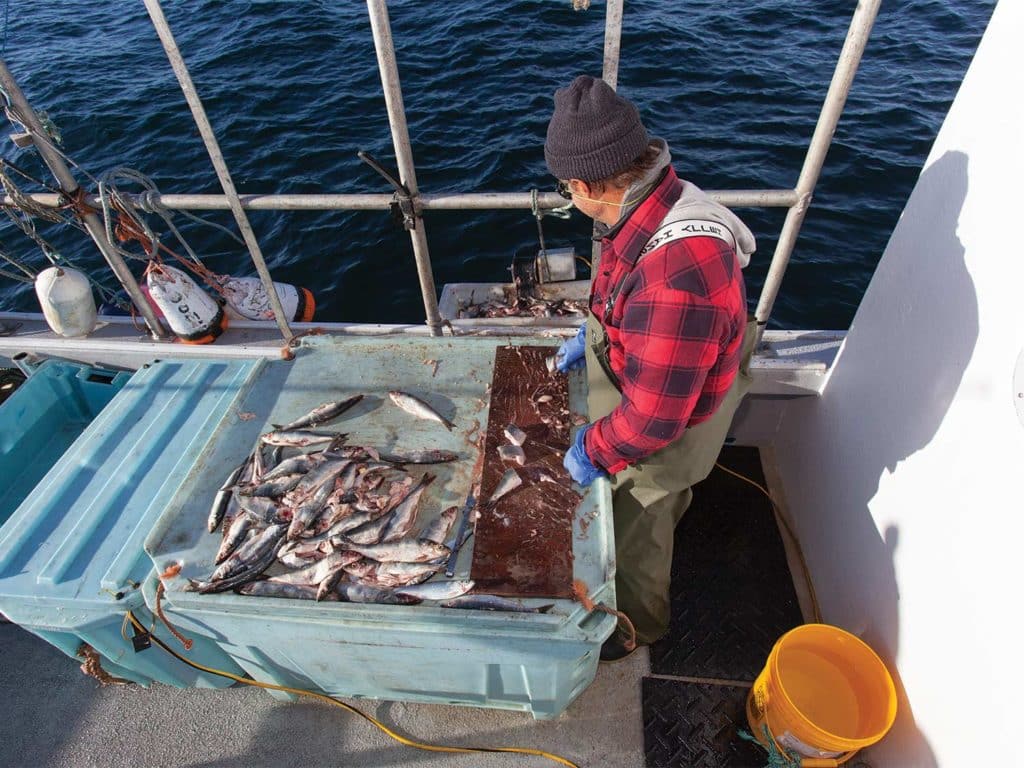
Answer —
130 617
789 531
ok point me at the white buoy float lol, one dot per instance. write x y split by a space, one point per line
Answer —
248 299
194 317
67 301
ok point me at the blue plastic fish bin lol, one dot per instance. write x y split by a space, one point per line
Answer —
534 662
71 556
43 417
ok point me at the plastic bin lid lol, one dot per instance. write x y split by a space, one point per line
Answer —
454 376
78 536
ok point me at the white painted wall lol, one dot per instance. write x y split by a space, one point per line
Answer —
905 478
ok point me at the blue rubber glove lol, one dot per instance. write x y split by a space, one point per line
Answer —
578 463
571 354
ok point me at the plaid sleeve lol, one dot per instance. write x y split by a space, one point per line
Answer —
670 338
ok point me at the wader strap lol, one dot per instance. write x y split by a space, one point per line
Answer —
669 232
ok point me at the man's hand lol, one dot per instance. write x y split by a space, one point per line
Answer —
571 354
578 463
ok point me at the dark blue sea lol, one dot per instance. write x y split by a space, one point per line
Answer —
293 92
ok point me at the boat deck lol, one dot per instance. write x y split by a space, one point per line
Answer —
679 703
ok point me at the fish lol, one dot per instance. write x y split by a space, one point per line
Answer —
515 435
512 453
361 593
295 465
250 551
279 486
265 588
433 456
234 536
370 533
508 483
403 551
251 571
391 574
437 590
297 438
316 572
222 499
404 516
418 408
295 560
493 603
261 508
439 528
304 515
321 414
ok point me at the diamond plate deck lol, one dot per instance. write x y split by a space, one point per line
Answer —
732 593
694 725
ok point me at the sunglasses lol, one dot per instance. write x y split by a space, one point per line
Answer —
562 187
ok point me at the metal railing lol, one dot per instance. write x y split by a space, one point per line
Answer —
796 200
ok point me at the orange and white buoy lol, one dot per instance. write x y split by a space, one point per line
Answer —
194 317
247 298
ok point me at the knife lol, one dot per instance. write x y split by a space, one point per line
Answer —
460 536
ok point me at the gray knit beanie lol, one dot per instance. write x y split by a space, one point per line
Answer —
594 133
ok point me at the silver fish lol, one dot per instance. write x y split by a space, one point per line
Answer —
508 483
279 486
493 603
315 573
438 590
404 516
361 593
249 551
305 514
370 533
439 528
391 574
418 408
296 464
322 414
512 453
434 456
261 508
265 588
515 435
221 500
404 551
235 535
298 438
251 571
295 560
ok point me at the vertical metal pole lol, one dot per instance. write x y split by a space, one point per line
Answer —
213 148
612 42
383 42
610 74
831 109
70 188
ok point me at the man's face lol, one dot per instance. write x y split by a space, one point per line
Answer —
585 198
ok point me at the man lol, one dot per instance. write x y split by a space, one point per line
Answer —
666 344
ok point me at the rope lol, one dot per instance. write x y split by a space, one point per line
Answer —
816 609
94 669
130 617
28 275
172 570
776 757
579 591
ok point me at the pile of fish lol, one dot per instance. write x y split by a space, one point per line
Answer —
338 522
523 306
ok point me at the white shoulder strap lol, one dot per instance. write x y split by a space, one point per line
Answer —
681 229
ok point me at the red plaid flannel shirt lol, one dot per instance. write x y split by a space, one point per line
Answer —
675 332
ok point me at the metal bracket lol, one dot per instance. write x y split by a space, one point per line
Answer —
402 209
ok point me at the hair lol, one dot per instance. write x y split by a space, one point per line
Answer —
633 172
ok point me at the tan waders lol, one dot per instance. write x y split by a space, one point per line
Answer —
650 497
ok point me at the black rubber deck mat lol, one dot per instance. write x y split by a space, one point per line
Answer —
732 594
694 725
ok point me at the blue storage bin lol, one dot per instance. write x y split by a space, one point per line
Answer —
71 557
43 417
531 662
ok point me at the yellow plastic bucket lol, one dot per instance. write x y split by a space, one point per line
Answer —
824 694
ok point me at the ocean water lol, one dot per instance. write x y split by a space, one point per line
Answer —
293 92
